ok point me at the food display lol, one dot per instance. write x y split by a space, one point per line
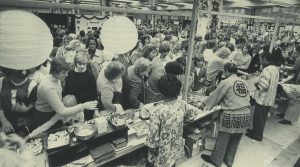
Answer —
144 114
191 114
58 139
141 129
92 121
117 120
35 146
196 100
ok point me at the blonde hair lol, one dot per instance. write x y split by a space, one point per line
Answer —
224 52
142 64
80 56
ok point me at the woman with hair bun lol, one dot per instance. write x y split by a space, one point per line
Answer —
165 142
233 96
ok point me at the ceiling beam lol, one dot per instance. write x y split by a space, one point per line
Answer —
47 5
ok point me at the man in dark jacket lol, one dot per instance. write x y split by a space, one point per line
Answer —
277 54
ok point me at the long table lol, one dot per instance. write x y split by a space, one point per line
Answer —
133 144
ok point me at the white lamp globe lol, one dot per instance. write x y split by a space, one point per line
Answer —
119 35
25 40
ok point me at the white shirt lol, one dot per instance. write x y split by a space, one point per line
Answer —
208 55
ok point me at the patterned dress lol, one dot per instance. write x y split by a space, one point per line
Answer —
165 139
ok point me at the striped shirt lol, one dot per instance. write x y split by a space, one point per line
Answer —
267 83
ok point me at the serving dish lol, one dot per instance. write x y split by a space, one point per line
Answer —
85 131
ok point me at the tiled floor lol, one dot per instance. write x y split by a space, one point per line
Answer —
279 148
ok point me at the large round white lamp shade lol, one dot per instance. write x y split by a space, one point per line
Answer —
119 35
25 40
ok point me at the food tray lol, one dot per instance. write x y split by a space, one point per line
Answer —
60 144
36 145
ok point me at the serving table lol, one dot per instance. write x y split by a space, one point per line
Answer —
80 149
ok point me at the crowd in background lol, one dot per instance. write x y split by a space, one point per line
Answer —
81 75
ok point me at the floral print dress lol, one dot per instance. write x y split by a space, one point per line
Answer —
165 140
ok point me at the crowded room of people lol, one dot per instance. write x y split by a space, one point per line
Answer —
149 83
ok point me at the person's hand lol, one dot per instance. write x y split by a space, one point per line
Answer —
21 107
27 138
119 109
91 105
6 126
14 139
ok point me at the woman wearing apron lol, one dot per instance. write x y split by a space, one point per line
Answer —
109 86
233 96
49 95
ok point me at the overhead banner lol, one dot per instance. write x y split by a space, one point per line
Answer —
85 22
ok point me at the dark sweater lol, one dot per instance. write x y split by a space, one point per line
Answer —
81 85
133 89
278 58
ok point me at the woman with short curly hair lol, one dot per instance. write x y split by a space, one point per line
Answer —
49 95
109 86
134 83
150 51
164 57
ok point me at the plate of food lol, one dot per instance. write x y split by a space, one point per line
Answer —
58 139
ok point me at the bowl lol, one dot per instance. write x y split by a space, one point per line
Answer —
85 131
